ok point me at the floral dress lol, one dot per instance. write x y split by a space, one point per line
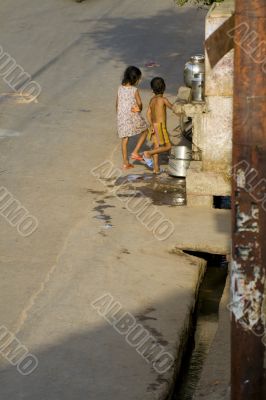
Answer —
128 122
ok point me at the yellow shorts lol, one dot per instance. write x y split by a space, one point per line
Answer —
161 134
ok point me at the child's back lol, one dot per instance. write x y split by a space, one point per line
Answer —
129 123
158 109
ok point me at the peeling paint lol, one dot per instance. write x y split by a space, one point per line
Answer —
247 299
247 222
247 273
241 179
237 291
244 251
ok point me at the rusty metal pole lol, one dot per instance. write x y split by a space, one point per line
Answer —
249 202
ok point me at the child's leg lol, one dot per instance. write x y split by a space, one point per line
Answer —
156 146
124 150
156 167
140 142
157 150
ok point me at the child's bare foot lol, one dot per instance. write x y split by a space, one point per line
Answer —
147 154
128 166
156 171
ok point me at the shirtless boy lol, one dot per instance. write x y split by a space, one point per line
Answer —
157 117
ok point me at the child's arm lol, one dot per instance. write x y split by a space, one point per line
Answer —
138 100
149 118
168 104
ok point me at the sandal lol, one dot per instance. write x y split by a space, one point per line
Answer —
136 157
148 161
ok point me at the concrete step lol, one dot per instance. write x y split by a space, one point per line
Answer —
199 201
195 165
204 183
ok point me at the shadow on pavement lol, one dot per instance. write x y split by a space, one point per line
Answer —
168 39
97 363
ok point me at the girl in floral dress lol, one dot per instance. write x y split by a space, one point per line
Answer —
129 119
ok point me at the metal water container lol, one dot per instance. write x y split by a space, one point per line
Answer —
195 65
198 83
179 161
181 152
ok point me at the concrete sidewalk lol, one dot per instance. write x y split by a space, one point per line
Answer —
112 252
80 354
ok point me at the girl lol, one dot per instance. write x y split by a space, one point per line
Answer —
129 120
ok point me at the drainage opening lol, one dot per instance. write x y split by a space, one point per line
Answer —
204 323
223 202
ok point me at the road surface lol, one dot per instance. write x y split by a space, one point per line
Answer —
86 243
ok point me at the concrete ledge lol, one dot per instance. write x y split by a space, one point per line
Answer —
217 134
195 165
199 201
190 109
206 184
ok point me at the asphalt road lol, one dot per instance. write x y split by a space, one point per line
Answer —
77 53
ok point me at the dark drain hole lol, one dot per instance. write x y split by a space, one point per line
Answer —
204 322
222 202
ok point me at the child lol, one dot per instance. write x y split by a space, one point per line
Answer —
129 119
156 115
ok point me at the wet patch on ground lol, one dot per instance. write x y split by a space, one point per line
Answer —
153 387
156 334
160 189
144 315
102 233
85 110
124 251
98 192
133 178
101 215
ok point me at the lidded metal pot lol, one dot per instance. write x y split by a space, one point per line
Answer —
195 65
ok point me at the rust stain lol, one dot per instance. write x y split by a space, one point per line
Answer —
220 43
249 217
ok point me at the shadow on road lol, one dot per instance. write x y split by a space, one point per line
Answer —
97 363
168 39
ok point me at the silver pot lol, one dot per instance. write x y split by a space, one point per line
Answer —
181 152
198 87
195 65
178 167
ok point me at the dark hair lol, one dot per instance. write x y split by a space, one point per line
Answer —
158 85
131 75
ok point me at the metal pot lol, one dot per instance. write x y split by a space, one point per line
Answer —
178 167
195 65
181 152
198 87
